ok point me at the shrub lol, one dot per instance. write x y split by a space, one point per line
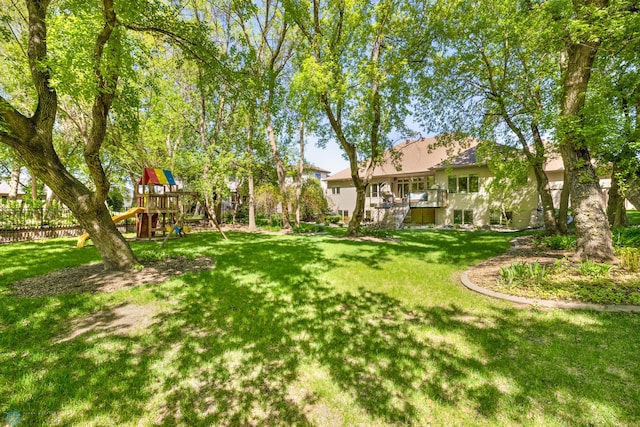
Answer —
307 228
625 237
629 258
375 231
332 219
275 220
594 269
559 242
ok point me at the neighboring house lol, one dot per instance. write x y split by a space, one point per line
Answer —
4 192
310 171
447 186
313 171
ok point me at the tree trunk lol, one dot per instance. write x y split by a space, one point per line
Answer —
548 210
633 193
358 211
252 203
51 197
592 227
542 181
250 184
280 170
92 214
616 212
14 181
563 209
34 186
300 172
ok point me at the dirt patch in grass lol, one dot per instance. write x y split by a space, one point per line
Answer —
93 278
123 320
563 281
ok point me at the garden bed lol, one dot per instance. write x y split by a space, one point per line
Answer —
535 272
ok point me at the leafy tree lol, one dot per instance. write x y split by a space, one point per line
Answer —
484 74
612 113
584 26
312 200
269 40
31 135
89 56
356 73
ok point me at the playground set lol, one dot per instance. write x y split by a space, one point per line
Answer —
158 206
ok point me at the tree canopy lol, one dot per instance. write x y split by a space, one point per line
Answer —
218 90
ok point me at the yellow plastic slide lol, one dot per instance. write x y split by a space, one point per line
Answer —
117 218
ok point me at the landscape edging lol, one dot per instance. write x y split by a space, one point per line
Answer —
464 278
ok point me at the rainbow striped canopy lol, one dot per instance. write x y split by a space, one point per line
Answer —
157 176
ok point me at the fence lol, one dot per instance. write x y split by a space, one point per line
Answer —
19 224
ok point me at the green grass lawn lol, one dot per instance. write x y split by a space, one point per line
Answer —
309 330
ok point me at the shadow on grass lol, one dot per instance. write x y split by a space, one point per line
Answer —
235 342
432 246
26 259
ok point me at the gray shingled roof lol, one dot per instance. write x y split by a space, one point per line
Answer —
415 157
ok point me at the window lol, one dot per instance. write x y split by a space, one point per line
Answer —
318 175
462 217
468 217
403 187
335 190
375 190
417 185
457 216
453 184
463 184
474 185
343 213
367 215
431 181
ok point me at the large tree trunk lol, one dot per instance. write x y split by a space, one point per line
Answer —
592 226
32 138
91 212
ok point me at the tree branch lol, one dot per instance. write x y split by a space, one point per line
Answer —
106 86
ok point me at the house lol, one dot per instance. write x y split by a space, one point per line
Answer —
4 192
309 171
425 183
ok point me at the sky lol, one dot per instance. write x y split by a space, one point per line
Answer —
331 157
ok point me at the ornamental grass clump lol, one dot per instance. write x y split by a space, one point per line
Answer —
629 258
523 274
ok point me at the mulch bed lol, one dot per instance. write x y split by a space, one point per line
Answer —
94 278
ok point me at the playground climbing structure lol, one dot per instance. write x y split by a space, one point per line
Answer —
158 200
